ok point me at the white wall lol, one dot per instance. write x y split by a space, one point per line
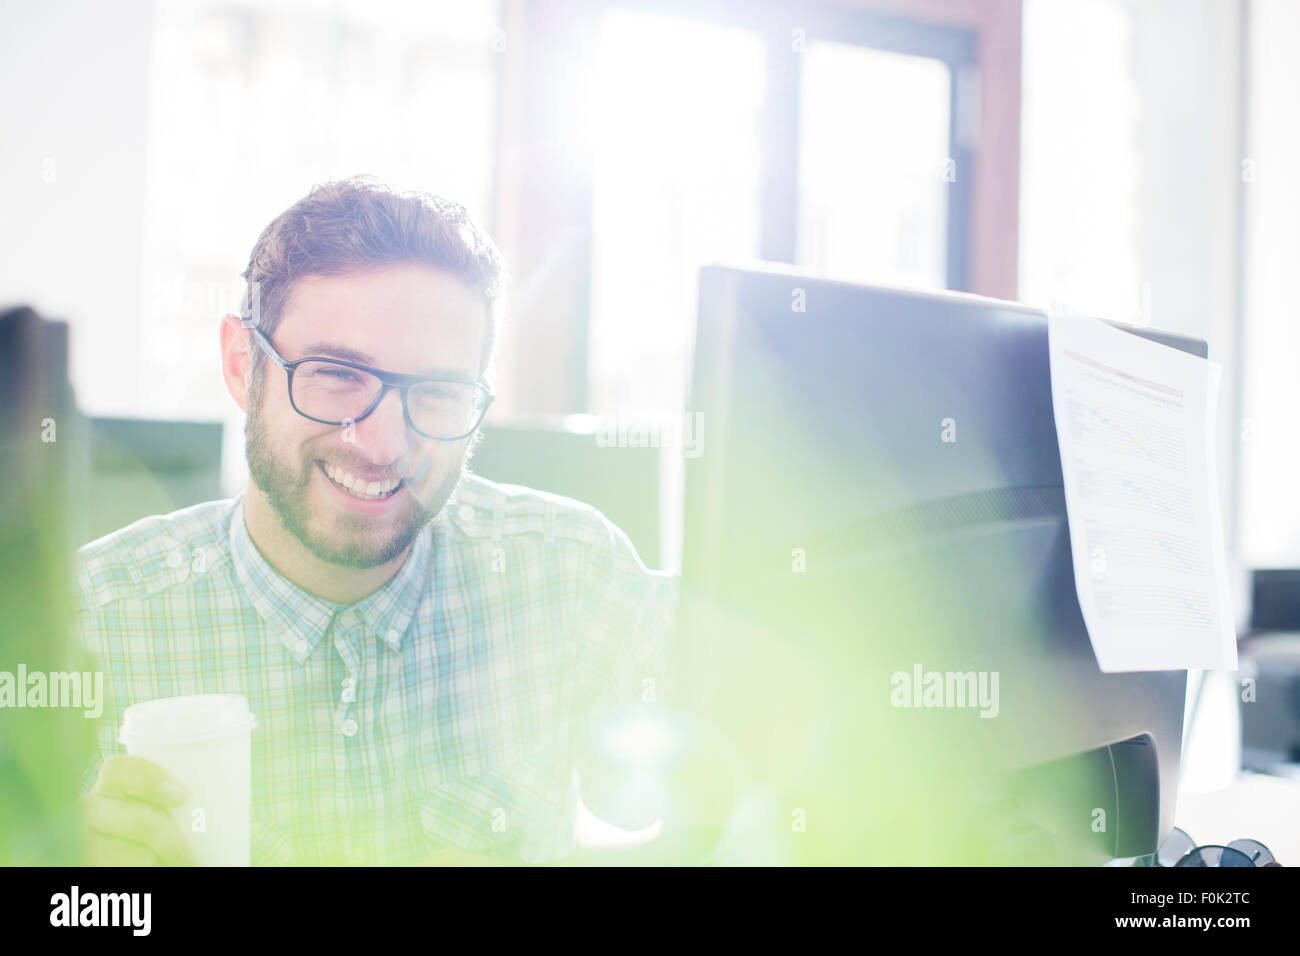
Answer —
1131 187
74 111
1271 345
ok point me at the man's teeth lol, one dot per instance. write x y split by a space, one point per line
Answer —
361 489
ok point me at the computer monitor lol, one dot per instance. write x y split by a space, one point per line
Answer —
881 649
43 749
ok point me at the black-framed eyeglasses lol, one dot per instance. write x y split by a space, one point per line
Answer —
334 392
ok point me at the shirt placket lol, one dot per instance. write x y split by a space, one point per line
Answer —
347 639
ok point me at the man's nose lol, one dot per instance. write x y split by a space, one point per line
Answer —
381 435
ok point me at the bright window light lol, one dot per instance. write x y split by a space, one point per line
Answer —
1081 161
874 168
675 121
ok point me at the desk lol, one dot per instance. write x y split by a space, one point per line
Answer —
1256 806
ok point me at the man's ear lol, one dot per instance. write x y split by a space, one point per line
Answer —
236 359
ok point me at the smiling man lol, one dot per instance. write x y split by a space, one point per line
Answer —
348 463
425 651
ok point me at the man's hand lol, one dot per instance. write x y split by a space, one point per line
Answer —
125 818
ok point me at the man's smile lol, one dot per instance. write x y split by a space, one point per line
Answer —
371 495
360 486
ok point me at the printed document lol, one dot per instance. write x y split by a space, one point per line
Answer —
1135 422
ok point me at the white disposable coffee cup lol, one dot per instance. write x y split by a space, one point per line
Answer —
205 742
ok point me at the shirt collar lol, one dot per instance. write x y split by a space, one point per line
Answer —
388 612
301 619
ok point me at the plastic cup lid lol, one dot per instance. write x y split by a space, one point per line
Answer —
195 717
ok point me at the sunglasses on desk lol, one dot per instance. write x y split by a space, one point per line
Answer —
1181 850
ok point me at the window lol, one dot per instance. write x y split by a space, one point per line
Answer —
675 113
1081 164
838 143
874 165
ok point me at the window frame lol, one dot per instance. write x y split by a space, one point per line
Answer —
554 187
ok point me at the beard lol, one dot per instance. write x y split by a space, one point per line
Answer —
354 541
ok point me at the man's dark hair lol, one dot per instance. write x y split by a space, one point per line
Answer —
352 225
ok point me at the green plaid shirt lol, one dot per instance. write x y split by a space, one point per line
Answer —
441 711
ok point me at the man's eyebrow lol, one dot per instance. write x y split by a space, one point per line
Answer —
339 352
331 350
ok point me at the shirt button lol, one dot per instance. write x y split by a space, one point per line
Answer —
349 728
465 512
349 695
176 559
393 636
300 646
349 683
